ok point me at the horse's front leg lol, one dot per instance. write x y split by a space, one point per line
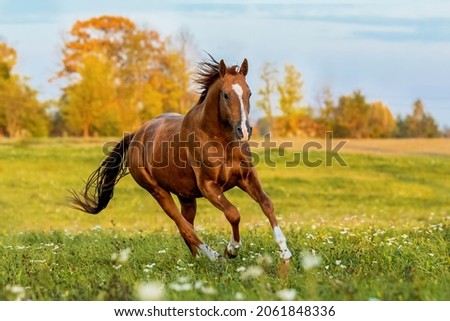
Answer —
252 186
214 194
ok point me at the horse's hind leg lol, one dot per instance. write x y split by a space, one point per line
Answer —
186 229
188 210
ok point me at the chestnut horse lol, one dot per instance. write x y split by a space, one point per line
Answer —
201 154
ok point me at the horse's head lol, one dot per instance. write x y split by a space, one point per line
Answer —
234 100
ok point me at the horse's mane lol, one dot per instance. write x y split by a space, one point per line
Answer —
208 72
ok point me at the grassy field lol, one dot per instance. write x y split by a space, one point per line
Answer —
375 230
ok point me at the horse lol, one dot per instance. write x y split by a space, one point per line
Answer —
202 154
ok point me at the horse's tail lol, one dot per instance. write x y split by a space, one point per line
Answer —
99 187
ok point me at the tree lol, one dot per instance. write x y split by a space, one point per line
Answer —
327 110
21 113
290 97
269 78
8 58
352 116
104 35
89 105
381 123
181 51
420 124
290 91
146 76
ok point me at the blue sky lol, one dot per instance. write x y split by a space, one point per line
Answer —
394 51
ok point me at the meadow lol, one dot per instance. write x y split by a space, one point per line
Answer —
377 229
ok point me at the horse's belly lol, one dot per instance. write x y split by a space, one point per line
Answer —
179 181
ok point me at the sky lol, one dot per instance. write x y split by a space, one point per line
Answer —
395 51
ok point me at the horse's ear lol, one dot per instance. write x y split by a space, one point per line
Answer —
244 67
222 68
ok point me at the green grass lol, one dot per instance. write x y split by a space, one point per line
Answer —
380 227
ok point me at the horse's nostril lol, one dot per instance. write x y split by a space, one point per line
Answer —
239 132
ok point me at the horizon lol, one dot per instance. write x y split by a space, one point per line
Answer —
392 52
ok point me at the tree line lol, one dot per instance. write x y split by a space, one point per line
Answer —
349 116
118 75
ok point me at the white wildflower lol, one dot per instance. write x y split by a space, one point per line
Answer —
338 262
161 251
287 294
310 260
150 291
38 261
17 291
252 272
209 290
241 269
124 255
117 266
198 285
239 296
265 259
178 287
148 267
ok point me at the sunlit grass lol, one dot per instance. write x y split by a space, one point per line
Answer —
379 227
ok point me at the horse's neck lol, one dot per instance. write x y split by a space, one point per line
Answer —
210 121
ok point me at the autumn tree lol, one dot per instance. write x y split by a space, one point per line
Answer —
352 116
180 93
327 110
269 79
21 113
8 57
290 92
87 111
144 74
419 124
381 123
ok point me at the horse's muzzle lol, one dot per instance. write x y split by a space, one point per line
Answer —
243 133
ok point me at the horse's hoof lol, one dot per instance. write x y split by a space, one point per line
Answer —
228 254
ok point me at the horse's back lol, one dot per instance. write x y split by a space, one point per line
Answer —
157 161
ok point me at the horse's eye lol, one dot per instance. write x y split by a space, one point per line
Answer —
226 96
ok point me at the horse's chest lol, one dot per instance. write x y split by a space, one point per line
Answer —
229 177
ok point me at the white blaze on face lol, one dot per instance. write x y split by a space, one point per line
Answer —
239 92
